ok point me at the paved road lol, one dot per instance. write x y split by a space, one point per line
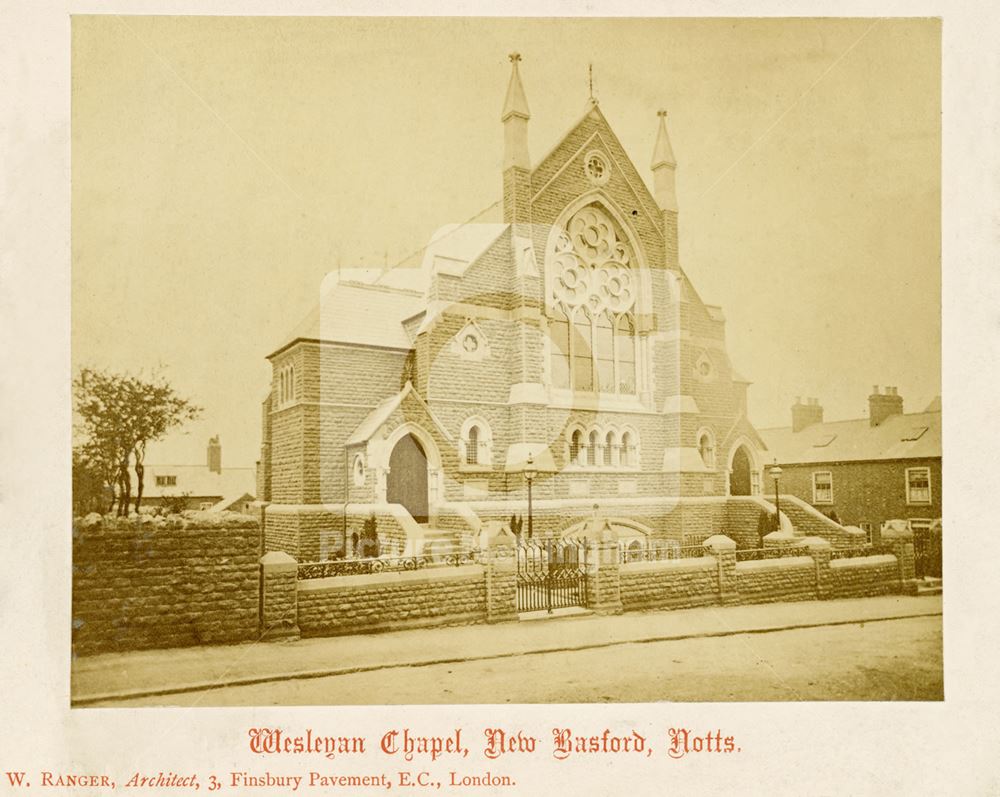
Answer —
882 660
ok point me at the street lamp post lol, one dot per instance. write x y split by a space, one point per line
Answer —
776 475
529 476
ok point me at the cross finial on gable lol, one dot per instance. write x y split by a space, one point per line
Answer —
514 57
661 113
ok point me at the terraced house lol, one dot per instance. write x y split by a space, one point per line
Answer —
566 344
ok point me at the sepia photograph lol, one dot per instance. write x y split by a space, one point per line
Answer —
479 360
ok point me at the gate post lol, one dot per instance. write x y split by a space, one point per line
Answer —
604 594
900 538
501 580
279 617
724 551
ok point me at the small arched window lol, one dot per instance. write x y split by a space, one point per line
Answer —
706 448
609 444
592 449
472 446
627 451
575 446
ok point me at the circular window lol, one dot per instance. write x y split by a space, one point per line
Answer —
596 168
359 470
471 343
705 368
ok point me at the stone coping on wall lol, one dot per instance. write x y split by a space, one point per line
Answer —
785 563
864 561
675 565
188 520
407 577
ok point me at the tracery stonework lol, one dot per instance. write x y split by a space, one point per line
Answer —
593 265
594 293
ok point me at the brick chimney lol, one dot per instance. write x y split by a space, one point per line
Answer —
215 455
883 405
806 413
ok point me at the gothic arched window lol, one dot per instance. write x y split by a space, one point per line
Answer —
592 324
472 447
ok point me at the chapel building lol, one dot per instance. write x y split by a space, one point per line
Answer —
567 341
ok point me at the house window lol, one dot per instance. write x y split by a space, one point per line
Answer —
866 527
823 487
166 481
918 485
755 482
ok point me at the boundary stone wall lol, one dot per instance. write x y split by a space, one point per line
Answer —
164 582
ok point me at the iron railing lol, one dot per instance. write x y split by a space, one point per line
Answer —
862 550
661 553
758 554
386 564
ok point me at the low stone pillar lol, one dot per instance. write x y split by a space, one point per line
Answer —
900 538
724 551
781 539
279 607
820 550
501 574
604 593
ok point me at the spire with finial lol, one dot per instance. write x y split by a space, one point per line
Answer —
515 118
663 153
515 104
665 189
664 167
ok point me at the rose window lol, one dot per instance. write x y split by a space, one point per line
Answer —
592 327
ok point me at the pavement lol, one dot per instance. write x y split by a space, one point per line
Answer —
121 676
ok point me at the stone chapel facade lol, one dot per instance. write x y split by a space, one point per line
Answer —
568 337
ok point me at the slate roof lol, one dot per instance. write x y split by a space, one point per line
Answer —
908 436
354 312
366 313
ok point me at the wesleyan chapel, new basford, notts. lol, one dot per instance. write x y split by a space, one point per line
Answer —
564 351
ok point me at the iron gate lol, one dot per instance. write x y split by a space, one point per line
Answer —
551 574
927 551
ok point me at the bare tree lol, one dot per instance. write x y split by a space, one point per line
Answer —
119 415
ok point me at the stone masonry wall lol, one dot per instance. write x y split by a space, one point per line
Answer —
171 583
860 577
770 580
392 601
674 584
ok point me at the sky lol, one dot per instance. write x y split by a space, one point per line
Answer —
223 166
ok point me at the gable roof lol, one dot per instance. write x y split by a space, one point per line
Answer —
551 165
912 436
378 416
360 313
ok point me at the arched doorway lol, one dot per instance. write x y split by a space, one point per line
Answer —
739 474
407 484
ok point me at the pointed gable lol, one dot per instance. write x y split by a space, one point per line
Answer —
562 176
